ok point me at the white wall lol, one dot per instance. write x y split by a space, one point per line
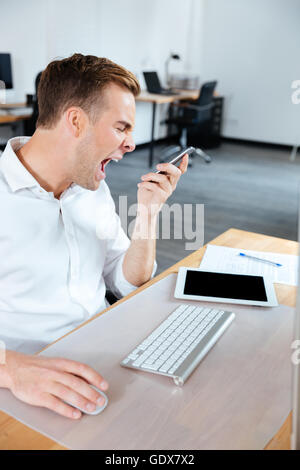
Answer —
138 34
252 47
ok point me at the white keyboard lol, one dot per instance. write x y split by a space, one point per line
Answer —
180 342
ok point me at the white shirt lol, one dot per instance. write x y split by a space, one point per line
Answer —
57 256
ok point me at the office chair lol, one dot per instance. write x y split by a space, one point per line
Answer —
192 114
30 124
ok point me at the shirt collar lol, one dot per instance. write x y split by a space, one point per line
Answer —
15 173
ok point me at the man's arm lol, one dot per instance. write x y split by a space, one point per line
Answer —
140 256
152 194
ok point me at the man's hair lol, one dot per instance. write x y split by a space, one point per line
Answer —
79 80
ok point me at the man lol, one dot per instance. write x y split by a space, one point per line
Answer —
61 242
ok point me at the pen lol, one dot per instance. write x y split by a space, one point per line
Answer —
259 259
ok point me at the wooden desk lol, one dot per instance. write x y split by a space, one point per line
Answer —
12 105
10 118
155 99
15 435
147 97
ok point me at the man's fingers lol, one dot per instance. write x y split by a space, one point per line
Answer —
59 407
170 170
80 386
184 163
162 180
70 396
82 370
174 170
151 187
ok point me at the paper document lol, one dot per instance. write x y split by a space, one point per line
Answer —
223 259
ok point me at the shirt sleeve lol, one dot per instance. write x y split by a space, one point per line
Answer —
116 246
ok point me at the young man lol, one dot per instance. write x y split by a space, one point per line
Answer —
61 243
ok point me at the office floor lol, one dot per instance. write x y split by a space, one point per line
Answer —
248 187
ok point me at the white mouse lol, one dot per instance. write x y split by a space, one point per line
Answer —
98 408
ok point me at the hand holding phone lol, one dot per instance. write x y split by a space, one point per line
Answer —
164 181
179 157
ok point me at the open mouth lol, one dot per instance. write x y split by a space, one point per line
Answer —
100 172
107 160
104 163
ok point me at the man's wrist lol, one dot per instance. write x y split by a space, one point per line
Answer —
145 225
148 213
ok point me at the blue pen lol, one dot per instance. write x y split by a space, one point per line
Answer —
259 259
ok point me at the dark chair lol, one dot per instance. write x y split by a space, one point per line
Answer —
30 124
192 114
110 297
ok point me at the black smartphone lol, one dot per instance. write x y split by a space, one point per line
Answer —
177 159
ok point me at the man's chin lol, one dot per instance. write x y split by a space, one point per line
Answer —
91 185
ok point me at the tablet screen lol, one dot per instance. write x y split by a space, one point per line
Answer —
229 286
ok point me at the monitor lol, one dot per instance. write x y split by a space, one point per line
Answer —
5 70
152 82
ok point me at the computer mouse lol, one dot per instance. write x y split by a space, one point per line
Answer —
98 409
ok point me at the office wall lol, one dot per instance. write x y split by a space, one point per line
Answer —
138 34
252 48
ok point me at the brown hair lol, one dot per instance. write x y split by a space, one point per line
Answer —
80 81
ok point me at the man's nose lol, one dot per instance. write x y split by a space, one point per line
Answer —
129 144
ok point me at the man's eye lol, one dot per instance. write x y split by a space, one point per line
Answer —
121 130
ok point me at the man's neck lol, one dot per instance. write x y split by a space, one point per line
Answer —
42 157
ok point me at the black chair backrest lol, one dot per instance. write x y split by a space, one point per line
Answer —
205 99
30 124
36 105
206 93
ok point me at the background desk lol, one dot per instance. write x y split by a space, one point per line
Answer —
11 119
14 435
155 99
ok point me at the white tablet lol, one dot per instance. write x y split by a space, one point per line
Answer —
195 284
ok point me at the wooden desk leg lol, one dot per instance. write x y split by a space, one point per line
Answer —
152 135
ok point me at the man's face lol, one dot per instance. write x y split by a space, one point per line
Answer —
109 138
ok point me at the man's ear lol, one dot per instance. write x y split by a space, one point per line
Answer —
76 120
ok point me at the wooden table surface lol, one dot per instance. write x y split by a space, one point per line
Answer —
13 105
10 118
15 435
147 97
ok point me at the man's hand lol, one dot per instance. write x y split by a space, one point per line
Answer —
152 194
156 188
48 382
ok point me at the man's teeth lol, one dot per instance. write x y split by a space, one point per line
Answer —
115 160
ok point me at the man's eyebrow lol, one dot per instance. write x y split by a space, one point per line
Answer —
126 124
